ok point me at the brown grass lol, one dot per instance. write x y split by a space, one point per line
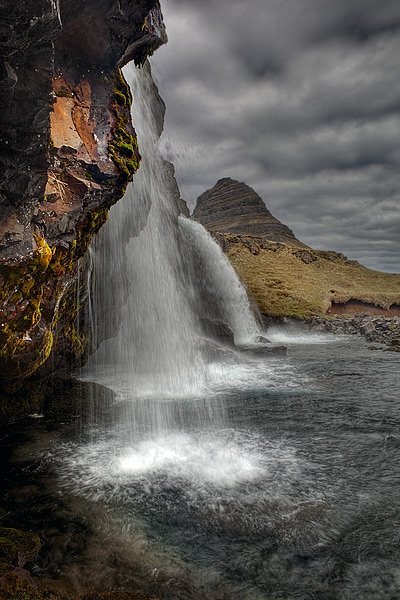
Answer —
283 284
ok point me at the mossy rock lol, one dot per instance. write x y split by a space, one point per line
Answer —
4 569
13 588
123 148
114 595
16 544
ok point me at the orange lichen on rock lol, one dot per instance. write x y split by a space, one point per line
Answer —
63 130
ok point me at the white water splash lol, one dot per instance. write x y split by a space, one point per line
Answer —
183 457
293 335
199 462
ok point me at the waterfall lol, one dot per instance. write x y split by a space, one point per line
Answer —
158 274
214 276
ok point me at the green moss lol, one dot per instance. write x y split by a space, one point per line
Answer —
27 285
123 87
44 351
25 344
127 149
120 97
87 230
75 340
79 342
123 148
64 93
37 307
18 551
63 260
21 357
44 253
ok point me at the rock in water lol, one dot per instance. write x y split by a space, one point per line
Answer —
257 350
234 207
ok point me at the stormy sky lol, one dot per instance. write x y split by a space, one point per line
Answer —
298 98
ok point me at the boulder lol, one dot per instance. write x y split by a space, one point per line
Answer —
218 330
259 350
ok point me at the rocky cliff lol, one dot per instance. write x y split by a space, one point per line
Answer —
68 150
234 207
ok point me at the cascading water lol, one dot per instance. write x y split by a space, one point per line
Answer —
220 293
169 276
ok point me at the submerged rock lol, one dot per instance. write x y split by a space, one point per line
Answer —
258 350
218 330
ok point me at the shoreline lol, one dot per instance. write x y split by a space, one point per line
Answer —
381 330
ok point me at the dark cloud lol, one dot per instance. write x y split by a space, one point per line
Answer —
300 99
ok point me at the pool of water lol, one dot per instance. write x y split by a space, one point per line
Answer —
281 480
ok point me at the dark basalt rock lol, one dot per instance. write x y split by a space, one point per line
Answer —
67 151
234 207
218 330
384 331
258 350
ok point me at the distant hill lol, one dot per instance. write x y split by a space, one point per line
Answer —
284 276
233 207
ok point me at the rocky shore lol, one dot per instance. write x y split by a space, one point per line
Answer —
384 331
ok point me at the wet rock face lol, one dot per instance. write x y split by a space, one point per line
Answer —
67 151
234 207
27 31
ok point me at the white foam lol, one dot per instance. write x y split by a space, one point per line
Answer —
181 456
221 378
214 464
281 335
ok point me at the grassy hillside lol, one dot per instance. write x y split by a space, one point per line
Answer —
290 281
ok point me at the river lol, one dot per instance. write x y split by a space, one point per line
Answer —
289 490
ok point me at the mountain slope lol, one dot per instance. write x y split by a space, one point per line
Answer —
286 281
234 207
283 275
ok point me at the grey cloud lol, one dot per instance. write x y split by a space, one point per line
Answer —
299 98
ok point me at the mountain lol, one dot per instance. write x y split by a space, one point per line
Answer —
233 207
282 275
